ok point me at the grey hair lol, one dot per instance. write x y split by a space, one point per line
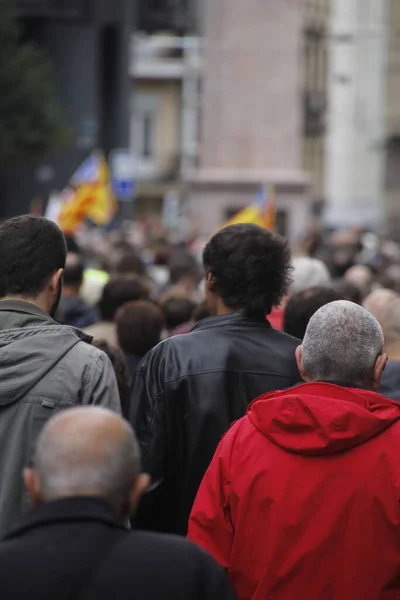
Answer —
308 272
75 454
342 341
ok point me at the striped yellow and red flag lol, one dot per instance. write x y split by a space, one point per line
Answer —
90 196
261 212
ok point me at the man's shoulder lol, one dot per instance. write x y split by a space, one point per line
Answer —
85 350
153 548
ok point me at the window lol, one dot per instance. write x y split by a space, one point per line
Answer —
144 126
147 150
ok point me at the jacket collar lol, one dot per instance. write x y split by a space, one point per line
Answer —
67 510
24 307
236 318
32 315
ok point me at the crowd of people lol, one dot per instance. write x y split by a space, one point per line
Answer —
247 401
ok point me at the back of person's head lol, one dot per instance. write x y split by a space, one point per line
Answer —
177 310
248 268
122 375
361 276
343 342
127 263
390 323
139 326
348 291
32 250
73 271
301 307
378 301
162 252
118 291
87 451
184 271
308 272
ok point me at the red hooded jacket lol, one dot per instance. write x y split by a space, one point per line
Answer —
301 500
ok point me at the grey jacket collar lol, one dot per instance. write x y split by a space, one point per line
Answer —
30 315
25 307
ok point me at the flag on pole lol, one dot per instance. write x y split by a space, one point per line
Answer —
89 195
261 211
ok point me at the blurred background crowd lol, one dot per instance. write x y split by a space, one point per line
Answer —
131 289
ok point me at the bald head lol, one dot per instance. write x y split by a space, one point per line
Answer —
378 301
343 342
359 275
391 328
87 451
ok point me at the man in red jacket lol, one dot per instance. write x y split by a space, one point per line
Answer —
301 500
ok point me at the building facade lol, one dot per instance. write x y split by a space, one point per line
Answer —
357 125
251 117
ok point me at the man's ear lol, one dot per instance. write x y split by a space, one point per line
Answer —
55 282
32 485
299 360
210 281
378 371
138 489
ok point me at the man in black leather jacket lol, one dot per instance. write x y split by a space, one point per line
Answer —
190 388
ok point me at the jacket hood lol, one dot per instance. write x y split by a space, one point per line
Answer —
322 418
31 344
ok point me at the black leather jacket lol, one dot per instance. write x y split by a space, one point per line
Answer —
187 392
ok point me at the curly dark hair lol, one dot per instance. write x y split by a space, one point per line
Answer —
250 266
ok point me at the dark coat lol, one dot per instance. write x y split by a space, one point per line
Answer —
54 554
74 311
390 384
187 392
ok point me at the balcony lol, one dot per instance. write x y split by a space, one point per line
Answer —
165 56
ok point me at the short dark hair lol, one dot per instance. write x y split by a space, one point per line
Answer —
73 271
177 310
139 326
32 249
122 375
128 263
302 305
348 291
183 266
250 267
118 291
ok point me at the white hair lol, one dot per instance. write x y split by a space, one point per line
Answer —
342 341
308 272
87 450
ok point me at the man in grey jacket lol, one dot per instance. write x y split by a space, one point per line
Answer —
44 367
